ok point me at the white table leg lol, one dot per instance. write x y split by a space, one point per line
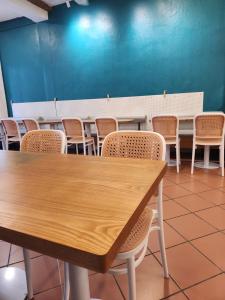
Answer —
206 164
79 283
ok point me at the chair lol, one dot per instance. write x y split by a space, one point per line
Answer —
42 141
74 130
209 131
168 127
144 145
104 126
11 131
30 124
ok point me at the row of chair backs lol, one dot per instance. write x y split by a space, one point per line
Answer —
127 144
11 128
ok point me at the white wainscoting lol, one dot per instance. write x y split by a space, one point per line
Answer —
181 104
3 106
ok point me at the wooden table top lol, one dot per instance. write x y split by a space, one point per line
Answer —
92 121
76 208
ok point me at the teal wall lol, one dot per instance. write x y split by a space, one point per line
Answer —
124 48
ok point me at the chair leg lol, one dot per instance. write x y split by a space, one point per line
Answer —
131 278
76 149
161 231
84 146
27 264
221 149
193 158
98 148
66 294
177 156
94 148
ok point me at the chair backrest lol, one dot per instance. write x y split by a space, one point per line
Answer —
209 125
134 144
46 141
106 125
30 124
73 127
166 125
10 127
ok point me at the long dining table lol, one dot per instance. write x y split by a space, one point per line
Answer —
75 208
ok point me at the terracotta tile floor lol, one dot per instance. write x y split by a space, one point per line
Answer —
194 211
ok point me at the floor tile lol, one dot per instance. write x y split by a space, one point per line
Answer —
45 273
179 178
195 186
16 254
194 202
215 216
104 286
179 296
172 238
215 196
175 191
191 226
172 209
53 294
151 284
212 181
4 253
213 246
212 289
187 266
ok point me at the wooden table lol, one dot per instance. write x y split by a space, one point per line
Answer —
125 120
80 209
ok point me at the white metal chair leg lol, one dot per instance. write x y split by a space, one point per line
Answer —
177 156
27 264
66 294
94 148
84 146
193 158
76 149
98 148
161 231
131 278
222 159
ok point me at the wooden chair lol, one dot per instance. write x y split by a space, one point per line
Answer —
11 131
209 131
41 141
104 126
143 145
30 124
74 130
168 127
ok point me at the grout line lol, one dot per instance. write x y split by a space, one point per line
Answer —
117 283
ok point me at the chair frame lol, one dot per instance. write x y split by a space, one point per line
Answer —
220 145
7 138
99 141
168 143
132 262
84 142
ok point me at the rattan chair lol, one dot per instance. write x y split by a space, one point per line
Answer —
41 141
168 127
75 133
11 131
104 126
144 145
209 130
30 124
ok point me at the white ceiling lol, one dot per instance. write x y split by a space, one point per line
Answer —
8 13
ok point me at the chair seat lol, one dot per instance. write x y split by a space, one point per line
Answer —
208 140
14 139
138 232
79 140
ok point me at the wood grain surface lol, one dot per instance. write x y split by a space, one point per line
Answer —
79 209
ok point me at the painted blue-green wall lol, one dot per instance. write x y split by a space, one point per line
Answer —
123 48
